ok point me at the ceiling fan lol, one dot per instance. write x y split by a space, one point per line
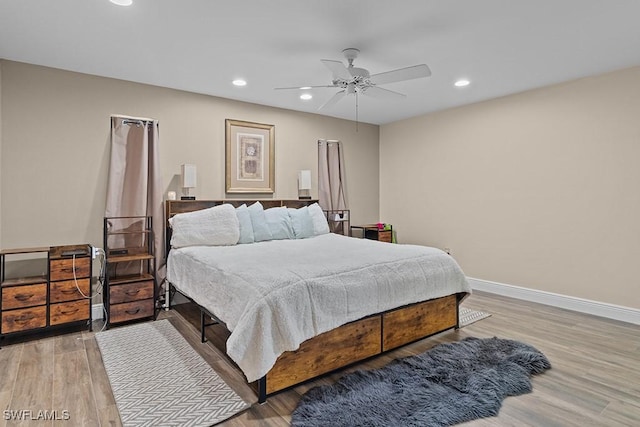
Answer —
354 80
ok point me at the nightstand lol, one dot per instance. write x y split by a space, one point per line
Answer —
371 231
130 291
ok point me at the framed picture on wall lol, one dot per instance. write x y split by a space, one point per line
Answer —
250 157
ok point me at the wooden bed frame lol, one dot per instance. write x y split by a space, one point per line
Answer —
346 344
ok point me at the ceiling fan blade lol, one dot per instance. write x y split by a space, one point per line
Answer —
380 93
337 68
409 73
334 99
303 87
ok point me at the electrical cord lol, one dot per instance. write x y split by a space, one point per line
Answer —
101 256
75 279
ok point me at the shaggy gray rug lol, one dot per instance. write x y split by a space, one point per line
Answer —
448 384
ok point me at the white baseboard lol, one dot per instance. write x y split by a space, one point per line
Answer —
610 311
97 311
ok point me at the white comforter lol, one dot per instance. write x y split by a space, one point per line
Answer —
274 295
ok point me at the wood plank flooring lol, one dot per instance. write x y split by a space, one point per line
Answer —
595 379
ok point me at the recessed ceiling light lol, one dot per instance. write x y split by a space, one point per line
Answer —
306 96
462 83
305 87
122 2
239 82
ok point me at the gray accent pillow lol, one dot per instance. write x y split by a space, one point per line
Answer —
301 222
246 228
279 223
261 229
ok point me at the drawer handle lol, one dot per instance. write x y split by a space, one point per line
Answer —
24 318
66 313
24 297
131 293
133 312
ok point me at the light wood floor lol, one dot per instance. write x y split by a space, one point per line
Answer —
595 379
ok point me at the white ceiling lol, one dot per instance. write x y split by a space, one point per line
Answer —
502 46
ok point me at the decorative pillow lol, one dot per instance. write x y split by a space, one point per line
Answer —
320 225
246 228
261 229
279 223
216 226
301 222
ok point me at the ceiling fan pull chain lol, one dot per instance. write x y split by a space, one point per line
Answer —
356 111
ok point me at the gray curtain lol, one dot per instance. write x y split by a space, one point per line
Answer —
331 193
331 185
135 183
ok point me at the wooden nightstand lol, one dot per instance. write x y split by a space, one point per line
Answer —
371 231
130 291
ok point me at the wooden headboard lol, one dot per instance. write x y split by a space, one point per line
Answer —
173 207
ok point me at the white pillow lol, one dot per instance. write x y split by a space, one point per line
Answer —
244 220
216 226
279 223
301 222
320 225
261 229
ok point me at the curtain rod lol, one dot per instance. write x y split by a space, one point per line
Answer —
135 121
127 120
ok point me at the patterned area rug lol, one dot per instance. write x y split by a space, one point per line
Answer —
158 379
467 317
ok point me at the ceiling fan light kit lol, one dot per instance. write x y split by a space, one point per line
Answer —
353 80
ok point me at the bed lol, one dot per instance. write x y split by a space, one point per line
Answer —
297 308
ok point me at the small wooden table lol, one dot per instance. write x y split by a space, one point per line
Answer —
371 231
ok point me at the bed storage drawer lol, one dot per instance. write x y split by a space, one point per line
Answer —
131 310
329 351
408 324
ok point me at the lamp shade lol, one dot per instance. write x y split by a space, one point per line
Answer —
304 180
188 176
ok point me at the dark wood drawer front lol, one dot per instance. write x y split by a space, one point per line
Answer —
131 292
62 269
417 321
67 290
24 319
24 296
131 310
69 312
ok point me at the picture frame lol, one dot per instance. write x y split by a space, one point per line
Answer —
250 157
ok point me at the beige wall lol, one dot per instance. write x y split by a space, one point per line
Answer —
1 65
539 190
55 149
